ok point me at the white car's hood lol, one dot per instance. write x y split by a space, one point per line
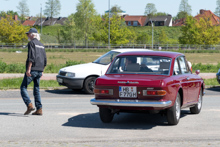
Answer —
83 70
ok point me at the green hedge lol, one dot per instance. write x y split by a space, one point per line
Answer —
20 68
52 68
206 68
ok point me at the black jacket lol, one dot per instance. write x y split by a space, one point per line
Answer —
36 55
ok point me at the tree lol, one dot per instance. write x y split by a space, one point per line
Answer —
150 9
163 37
12 31
185 7
200 32
189 31
142 38
116 9
23 9
84 18
182 14
119 33
52 8
217 9
68 32
9 12
161 14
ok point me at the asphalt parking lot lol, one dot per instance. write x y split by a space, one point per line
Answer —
70 120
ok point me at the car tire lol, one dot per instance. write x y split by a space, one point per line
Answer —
106 115
89 85
197 108
173 113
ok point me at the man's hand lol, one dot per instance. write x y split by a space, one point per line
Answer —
28 73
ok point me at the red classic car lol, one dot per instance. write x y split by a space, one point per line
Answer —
152 81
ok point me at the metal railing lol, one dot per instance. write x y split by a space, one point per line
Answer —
94 45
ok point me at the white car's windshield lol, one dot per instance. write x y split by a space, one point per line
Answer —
155 65
106 58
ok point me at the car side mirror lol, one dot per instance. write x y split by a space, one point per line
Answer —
197 72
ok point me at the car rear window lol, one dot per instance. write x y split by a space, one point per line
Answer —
156 65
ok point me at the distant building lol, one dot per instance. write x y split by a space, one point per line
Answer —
159 21
179 22
202 14
50 21
14 17
28 23
208 14
122 13
135 20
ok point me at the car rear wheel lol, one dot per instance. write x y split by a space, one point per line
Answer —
106 115
197 108
173 113
89 85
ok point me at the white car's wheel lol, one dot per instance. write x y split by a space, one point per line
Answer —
89 85
173 113
197 108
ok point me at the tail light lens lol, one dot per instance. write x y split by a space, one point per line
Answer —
103 91
154 92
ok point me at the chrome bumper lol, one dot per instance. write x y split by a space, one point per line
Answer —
130 103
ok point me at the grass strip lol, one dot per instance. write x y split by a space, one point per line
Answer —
15 83
211 82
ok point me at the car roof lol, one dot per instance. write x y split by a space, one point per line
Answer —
152 53
130 50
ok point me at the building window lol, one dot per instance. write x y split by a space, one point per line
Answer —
129 23
135 23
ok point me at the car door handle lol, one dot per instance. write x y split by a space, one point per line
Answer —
187 78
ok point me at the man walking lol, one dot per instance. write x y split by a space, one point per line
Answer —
35 63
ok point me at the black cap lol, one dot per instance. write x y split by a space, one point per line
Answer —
32 30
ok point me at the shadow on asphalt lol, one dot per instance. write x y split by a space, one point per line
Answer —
137 121
66 91
215 89
13 114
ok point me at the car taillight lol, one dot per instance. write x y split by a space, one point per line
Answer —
103 91
154 92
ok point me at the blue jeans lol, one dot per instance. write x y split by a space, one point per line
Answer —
35 76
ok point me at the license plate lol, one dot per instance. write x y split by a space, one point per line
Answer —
127 91
59 80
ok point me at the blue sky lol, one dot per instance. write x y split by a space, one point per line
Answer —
132 7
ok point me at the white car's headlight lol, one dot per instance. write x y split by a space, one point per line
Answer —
69 74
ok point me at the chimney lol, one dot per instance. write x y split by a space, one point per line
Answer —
202 11
16 17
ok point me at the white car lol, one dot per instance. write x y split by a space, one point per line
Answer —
83 76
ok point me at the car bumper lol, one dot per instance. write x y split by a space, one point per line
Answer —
72 83
131 103
218 77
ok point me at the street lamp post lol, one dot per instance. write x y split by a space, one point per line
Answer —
41 19
108 23
152 34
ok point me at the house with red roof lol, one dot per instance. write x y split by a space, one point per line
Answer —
135 20
202 14
208 14
28 22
